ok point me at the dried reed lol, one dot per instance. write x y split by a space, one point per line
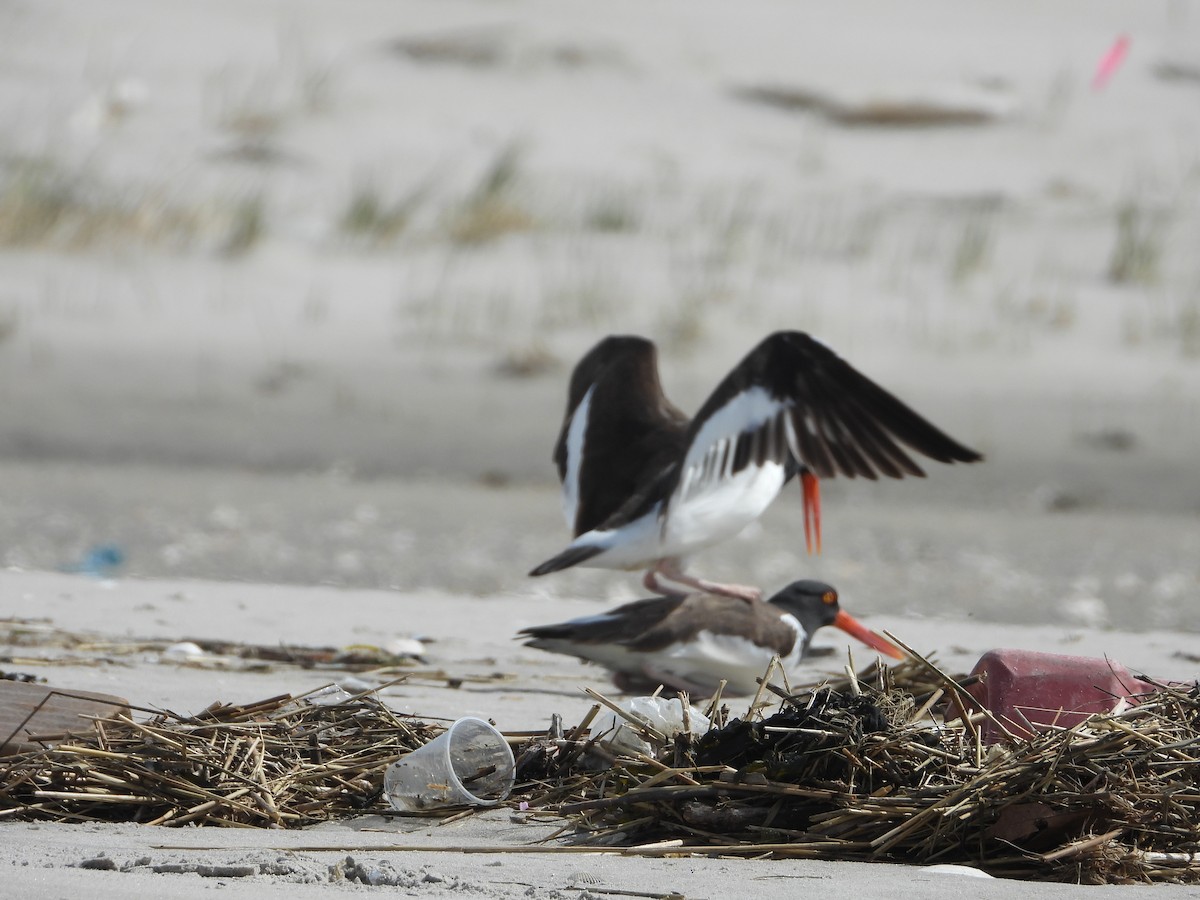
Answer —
282 762
865 770
887 764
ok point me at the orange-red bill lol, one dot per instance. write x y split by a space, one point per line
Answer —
812 510
852 626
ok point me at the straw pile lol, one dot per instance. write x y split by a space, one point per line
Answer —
866 771
282 762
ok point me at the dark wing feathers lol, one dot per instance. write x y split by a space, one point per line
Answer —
838 421
812 446
885 455
622 625
833 377
854 458
760 623
656 623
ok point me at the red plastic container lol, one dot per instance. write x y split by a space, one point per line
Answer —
1028 691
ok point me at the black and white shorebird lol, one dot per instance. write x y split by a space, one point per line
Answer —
691 643
644 486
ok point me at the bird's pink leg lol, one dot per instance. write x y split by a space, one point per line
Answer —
670 570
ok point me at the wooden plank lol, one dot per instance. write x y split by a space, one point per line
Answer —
29 711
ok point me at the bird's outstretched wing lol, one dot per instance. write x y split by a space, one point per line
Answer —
619 432
793 401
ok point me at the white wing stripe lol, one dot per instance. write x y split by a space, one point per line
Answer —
713 450
575 436
792 441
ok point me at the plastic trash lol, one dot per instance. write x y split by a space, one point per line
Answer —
1030 691
183 651
666 716
100 561
468 764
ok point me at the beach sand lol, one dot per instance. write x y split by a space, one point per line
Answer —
477 670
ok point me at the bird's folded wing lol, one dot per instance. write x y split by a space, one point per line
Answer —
619 433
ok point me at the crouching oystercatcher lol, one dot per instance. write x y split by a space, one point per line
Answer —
691 643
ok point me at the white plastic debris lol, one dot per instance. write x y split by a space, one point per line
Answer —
330 695
665 716
355 685
405 647
183 651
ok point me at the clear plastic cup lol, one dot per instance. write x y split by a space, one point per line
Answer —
468 764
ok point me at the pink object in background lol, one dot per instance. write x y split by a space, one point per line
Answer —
1110 62
1028 691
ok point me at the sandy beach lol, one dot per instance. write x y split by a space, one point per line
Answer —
482 672
292 291
479 673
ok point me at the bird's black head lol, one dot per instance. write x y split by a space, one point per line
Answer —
815 605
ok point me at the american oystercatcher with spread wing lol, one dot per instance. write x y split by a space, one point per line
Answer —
691 643
644 486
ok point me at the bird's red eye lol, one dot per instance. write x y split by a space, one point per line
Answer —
829 597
